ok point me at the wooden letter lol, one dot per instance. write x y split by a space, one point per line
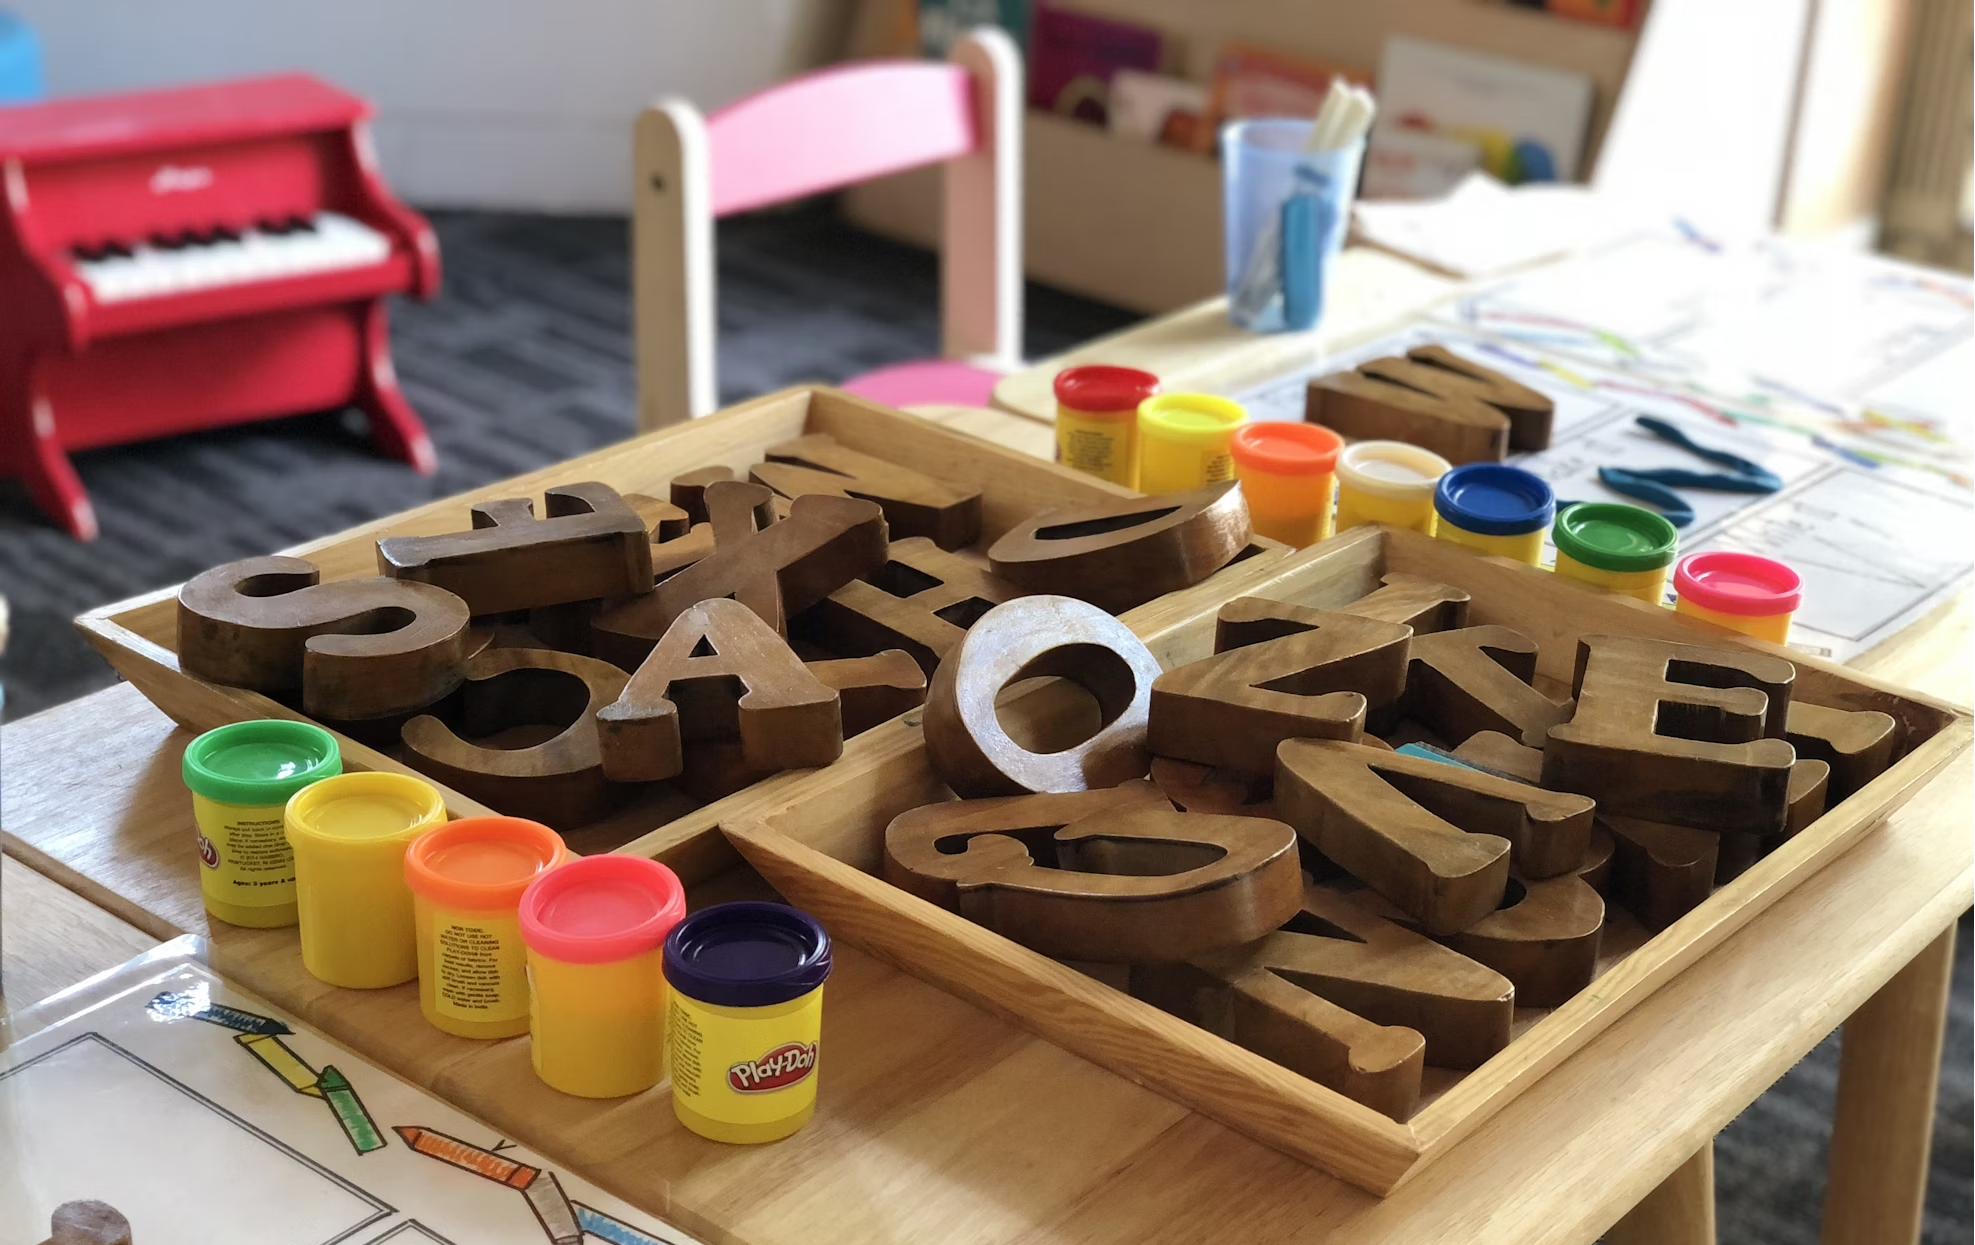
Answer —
1196 788
922 600
1544 937
1677 732
1035 637
357 648
1477 679
1810 784
1660 873
1123 553
589 545
558 781
1436 839
1436 399
1279 672
872 689
915 505
1498 754
719 672
824 544
688 491
1346 998
1421 604
1856 744
1115 876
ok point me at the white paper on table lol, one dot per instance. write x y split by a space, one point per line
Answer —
178 1124
1837 344
1483 227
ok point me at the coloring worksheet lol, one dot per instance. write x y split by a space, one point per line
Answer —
1879 544
1867 355
207 1117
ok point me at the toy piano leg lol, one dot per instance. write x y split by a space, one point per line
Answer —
30 451
395 429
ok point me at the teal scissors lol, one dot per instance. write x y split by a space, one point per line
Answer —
1656 487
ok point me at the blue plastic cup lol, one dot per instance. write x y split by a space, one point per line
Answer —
1286 212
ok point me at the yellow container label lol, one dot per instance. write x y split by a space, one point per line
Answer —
479 967
1524 547
1356 507
1772 627
244 855
745 1065
1105 446
1647 586
597 1030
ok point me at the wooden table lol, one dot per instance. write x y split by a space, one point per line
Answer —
948 1124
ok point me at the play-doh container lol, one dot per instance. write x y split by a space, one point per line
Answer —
1388 482
1495 508
1754 595
1616 547
1288 475
1183 441
467 879
241 777
595 931
1097 420
349 835
746 1018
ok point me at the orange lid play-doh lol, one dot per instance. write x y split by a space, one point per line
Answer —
482 863
1286 449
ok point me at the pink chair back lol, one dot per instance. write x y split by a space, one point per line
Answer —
837 127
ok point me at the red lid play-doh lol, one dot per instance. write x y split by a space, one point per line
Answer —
597 909
1100 387
1738 583
1285 449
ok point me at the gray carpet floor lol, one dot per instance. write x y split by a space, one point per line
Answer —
524 359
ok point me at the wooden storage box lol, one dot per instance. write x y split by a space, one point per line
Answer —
138 636
820 840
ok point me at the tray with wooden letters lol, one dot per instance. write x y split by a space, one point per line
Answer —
634 643
1351 856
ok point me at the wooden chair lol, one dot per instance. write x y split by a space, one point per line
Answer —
820 132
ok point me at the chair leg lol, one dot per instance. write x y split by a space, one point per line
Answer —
1679 1212
395 429
30 450
1888 1069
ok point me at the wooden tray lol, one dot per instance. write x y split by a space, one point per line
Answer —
819 842
138 636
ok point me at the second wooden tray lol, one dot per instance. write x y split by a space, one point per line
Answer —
820 838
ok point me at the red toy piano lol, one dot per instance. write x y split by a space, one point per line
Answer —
190 258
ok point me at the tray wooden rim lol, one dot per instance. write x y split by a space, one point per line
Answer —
1308 1121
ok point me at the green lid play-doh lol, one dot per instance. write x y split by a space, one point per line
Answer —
1612 536
261 762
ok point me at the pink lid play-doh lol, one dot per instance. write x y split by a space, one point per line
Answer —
597 909
1738 583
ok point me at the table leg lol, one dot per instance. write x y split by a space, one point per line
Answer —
1889 1063
1679 1212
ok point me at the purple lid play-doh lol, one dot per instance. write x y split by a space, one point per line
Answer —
747 955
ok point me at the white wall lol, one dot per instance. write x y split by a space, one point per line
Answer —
1703 125
495 103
